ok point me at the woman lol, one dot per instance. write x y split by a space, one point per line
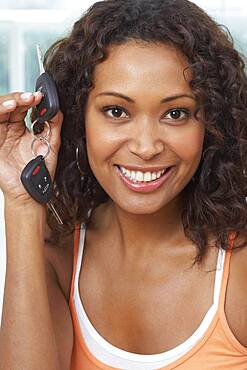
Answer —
151 164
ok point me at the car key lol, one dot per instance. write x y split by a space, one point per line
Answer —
37 181
49 105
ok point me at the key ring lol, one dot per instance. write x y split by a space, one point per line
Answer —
36 135
42 138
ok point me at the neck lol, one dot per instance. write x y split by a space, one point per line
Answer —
139 234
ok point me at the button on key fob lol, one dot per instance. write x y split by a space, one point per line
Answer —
37 181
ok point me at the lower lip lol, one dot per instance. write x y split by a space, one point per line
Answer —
145 187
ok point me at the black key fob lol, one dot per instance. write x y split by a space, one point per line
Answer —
37 181
49 105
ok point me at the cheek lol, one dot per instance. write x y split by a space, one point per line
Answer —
188 143
102 143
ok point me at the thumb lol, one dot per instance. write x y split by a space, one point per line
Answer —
56 125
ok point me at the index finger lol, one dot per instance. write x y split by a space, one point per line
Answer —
7 104
23 102
14 106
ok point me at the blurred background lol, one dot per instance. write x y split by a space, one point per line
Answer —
25 23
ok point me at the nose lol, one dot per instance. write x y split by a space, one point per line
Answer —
146 140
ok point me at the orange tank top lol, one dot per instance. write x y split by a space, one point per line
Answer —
217 349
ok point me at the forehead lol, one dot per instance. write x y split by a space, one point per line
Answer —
138 63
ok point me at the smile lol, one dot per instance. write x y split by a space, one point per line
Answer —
144 181
139 176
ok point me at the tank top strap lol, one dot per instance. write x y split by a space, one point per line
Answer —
77 233
231 239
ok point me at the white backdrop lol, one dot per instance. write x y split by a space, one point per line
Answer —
231 13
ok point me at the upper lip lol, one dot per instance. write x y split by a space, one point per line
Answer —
144 169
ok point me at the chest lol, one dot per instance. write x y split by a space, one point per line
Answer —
142 308
149 310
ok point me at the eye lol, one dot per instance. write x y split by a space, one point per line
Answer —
115 112
177 114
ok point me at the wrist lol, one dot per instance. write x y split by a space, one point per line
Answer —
25 219
20 205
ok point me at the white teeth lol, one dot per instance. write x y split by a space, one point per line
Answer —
141 176
147 176
132 175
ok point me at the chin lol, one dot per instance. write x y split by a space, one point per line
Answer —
142 206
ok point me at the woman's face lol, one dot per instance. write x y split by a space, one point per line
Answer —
143 142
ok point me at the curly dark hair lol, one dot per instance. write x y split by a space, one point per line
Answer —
215 198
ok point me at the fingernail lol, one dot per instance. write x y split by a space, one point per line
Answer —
26 96
9 103
37 93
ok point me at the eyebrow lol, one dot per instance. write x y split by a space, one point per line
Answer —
164 100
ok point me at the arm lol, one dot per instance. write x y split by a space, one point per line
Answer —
27 337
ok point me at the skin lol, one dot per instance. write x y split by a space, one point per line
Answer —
25 245
145 135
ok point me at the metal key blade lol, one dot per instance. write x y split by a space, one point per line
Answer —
54 212
41 66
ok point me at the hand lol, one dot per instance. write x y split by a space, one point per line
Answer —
16 140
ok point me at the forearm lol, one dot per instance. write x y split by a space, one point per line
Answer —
27 339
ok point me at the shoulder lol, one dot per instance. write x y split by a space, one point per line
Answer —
236 297
238 265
